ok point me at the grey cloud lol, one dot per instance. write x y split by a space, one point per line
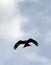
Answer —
38 14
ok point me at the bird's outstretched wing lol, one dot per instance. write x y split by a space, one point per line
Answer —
17 44
33 41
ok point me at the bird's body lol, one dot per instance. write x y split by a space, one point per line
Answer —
25 42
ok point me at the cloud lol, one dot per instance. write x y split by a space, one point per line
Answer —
12 28
10 24
47 39
37 58
6 9
48 36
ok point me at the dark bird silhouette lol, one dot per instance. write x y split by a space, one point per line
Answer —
25 42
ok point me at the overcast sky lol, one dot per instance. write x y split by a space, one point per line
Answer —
24 19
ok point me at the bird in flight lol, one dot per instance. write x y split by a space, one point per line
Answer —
26 43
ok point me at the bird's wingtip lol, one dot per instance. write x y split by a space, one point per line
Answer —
14 48
37 44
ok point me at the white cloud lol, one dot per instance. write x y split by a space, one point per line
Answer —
10 27
5 3
6 9
37 58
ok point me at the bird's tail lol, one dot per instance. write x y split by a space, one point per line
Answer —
26 45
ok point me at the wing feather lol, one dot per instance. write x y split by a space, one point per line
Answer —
34 41
17 44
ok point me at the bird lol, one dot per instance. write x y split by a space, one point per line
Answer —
26 43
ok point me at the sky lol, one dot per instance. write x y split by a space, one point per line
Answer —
24 19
